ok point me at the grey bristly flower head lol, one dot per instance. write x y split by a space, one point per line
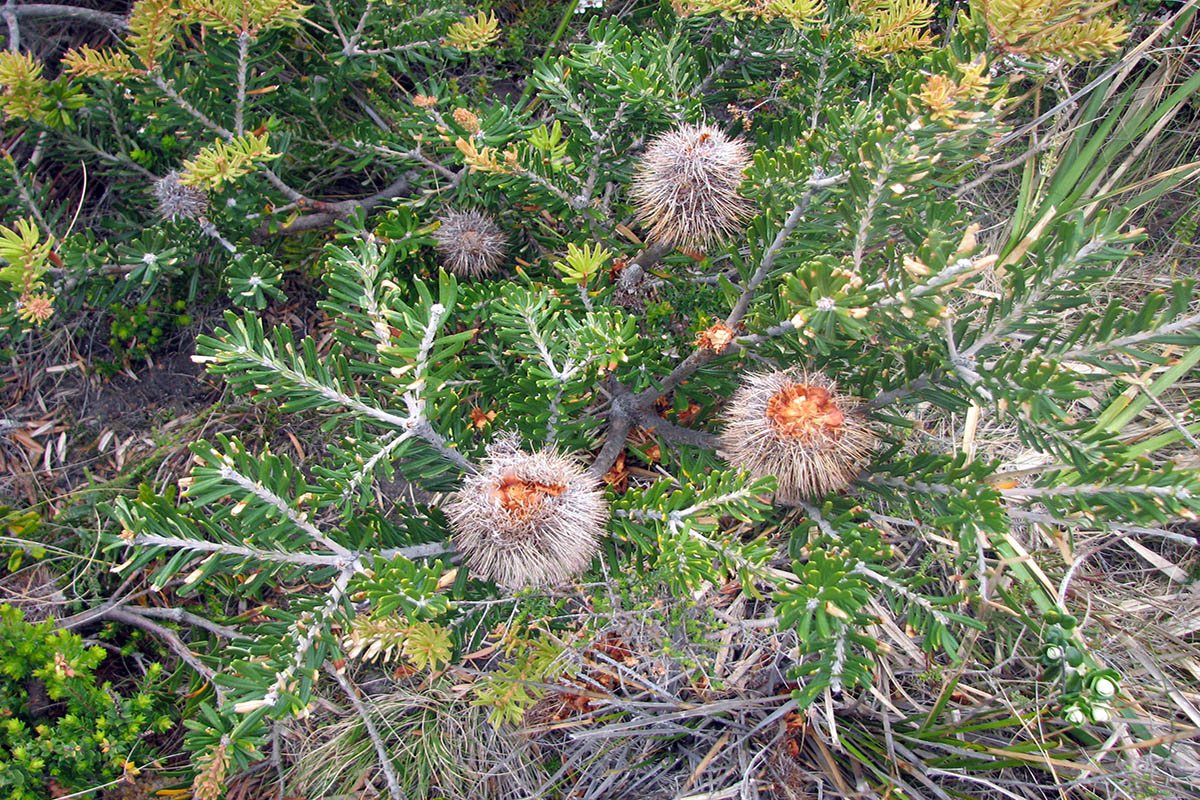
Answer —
794 425
471 244
527 518
686 186
176 200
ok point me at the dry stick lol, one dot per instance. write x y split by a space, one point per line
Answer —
181 616
636 269
385 761
35 10
173 642
239 109
14 29
332 212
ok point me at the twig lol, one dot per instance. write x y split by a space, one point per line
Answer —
173 643
239 109
629 409
676 434
331 212
179 615
1125 341
14 28
636 269
764 268
299 559
37 10
385 760
887 398
166 88
425 431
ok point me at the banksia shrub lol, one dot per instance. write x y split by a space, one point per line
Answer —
471 244
686 186
177 200
527 518
795 426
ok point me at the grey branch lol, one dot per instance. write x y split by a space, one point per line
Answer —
328 213
385 760
299 559
181 616
44 10
1191 322
173 643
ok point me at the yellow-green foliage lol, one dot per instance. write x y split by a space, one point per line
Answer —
894 26
506 690
152 27
1068 29
225 162
797 12
111 64
473 33
422 644
26 254
21 86
244 16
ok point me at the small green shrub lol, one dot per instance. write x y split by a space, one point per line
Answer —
56 722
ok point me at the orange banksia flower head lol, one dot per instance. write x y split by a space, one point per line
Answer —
686 186
471 244
177 200
527 518
795 426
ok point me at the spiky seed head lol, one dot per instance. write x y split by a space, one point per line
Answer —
177 200
795 426
470 243
686 186
527 518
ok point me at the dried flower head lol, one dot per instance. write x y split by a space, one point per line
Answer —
795 426
686 186
424 101
470 243
527 518
177 200
467 119
715 338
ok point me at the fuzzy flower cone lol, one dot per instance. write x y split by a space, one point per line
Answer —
686 186
527 518
177 200
795 426
471 244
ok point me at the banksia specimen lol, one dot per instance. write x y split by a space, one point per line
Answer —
470 243
527 518
686 186
795 426
176 200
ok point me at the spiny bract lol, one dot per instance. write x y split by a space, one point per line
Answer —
527 518
795 426
177 200
471 244
686 186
